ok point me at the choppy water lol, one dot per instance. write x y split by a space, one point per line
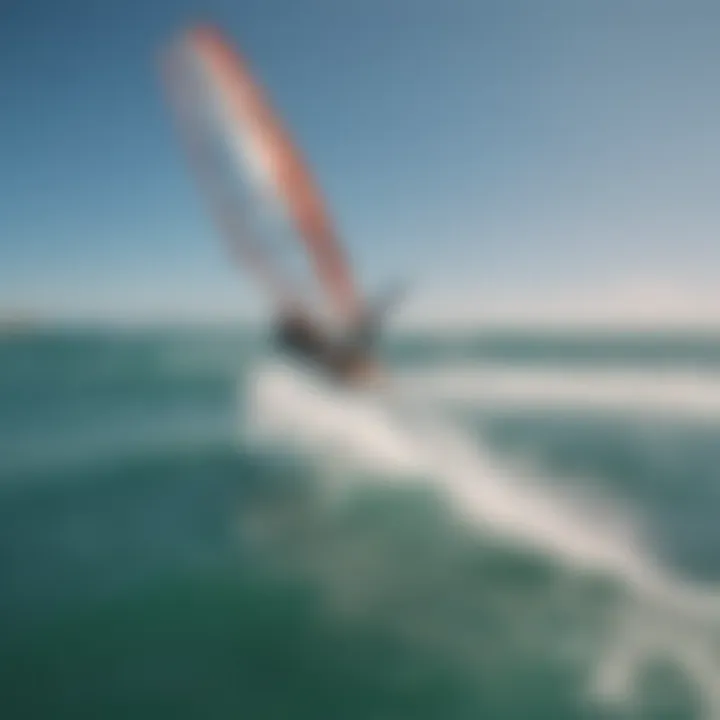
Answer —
188 530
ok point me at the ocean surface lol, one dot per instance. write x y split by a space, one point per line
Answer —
527 526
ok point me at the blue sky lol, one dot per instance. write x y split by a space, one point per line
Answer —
472 147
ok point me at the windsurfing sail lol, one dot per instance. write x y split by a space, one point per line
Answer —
253 174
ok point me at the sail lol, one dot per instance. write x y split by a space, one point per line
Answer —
251 170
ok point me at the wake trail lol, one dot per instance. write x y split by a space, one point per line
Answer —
405 436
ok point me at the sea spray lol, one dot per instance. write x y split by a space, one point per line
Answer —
405 437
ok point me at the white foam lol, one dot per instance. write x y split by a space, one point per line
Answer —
296 407
399 436
678 393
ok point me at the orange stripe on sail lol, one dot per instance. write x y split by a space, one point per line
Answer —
282 162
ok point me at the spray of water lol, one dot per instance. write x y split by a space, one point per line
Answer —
404 437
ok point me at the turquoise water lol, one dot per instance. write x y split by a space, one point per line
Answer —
156 563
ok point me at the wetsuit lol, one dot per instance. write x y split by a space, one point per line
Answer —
300 337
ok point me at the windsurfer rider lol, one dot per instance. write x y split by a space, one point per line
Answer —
349 358
343 360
